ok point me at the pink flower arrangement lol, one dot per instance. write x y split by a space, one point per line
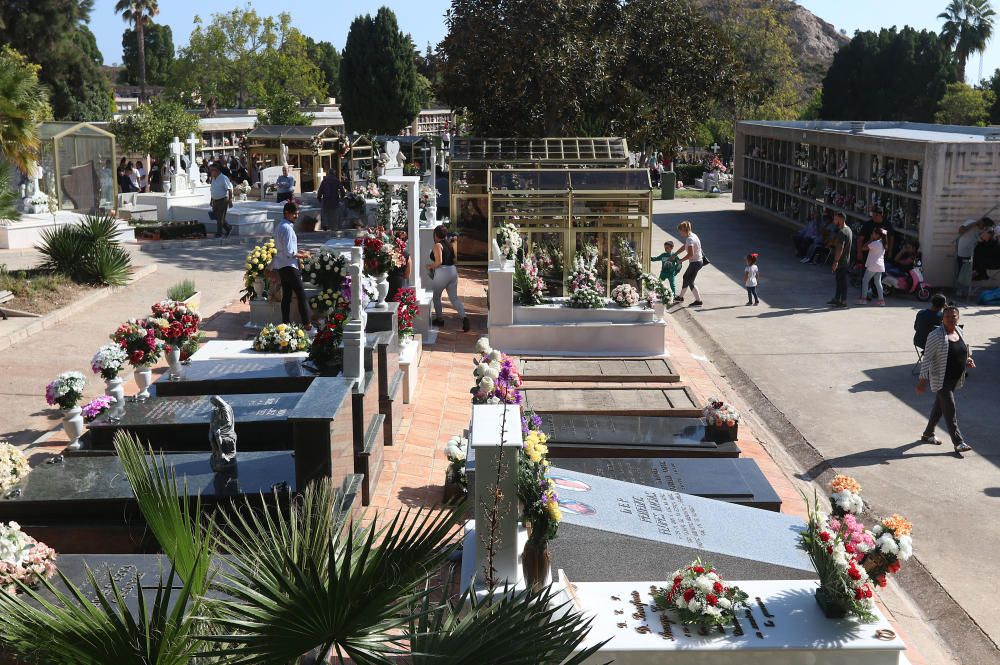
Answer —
720 414
97 406
23 559
174 322
138 338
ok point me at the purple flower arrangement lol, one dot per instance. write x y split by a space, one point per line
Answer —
97 406
497 379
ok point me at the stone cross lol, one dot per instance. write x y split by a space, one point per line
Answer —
715 147
354 331
496 438
192 142
176 150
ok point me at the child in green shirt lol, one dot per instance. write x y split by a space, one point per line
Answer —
671 265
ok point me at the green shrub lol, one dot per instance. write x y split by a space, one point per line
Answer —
87 252
687 173
182 290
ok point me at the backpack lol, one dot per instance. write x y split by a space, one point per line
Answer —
991 297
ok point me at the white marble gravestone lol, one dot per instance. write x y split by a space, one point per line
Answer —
417 255
354 331
392 160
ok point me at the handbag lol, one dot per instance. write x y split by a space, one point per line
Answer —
704 259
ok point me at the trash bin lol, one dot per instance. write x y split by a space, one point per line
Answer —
668 185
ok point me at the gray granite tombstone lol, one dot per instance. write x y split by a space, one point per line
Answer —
390 380
368 424
239 376
630 436
616 531
737 481
386 319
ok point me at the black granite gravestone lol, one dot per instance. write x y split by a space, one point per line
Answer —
737 481
617 531
390 380
368 426
384 319
630 436
85 504
238 376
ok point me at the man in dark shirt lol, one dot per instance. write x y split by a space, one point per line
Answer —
927 320
841 258
329 193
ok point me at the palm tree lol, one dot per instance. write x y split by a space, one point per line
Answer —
968 26
23 104
139 13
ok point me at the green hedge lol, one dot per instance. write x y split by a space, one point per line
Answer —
687 173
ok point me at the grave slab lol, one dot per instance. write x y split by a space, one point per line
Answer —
237 377
630 436
584 370
672 401
738 481
221 349
617 531
85 504
368 426
782 625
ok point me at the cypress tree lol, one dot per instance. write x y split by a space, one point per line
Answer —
378 76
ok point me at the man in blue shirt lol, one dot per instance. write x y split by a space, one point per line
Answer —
286 262
222 200
284 185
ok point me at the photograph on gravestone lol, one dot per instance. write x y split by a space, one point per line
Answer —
614 530
738 481
629 436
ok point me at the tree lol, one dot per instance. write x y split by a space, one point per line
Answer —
159 54
151 128
139 13
993 84
23 104
964 105
240 56
378 78
890 75
327 58
968 26
281 108
53 34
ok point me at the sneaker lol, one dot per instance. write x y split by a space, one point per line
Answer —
862 301
963 448
880 303
465 324
696 303
757 303
439 323
749 303
930 438
805 259
679 299
841 304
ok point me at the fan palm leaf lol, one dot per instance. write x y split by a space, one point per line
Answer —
23 104
299 583
967 28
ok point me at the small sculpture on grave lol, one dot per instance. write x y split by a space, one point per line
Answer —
222 435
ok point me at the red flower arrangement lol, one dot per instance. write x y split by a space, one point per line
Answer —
175 322
408 309
380 251
139 339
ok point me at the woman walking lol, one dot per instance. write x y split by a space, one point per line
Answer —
444 276
695 257
946 357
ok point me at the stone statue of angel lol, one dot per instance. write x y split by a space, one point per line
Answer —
222 435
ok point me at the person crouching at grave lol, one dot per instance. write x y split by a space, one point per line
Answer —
286 263
222 200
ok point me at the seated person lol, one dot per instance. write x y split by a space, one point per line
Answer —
986 255
827 239
928 319
905 258
806 236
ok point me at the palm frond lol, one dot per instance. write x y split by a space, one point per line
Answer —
172 515
501 628
298 583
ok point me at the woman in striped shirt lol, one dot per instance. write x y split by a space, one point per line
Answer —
946 357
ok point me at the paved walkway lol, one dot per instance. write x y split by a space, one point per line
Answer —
842 379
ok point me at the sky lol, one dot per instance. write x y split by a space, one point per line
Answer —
329 20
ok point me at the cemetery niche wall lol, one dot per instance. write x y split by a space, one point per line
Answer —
77 161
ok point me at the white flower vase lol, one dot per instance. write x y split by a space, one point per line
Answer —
382 284
431 214
243 197
143 379
73 426
115 388
174 360
658 309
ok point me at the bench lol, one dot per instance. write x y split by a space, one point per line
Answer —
4 297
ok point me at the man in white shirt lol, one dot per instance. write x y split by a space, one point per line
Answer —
222 200
286 262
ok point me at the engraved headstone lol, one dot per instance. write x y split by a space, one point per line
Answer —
613 530
238 377
630 436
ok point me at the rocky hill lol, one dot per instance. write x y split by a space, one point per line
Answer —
814 40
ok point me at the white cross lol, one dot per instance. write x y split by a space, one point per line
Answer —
177 149
192 141
715 147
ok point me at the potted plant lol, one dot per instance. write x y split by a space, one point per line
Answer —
175 324
456 483
701 597
721 421
185 293
65 391
509 241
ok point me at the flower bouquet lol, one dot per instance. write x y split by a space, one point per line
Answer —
584 288
243 189
893 544
700 596
408 309
325 349
96 408
281 338
530 422
528 283
497 379
176 323
109 361
380 253
509 241
138 338
542 515
325 269
845 496
625 295
13 466
23 559
66 390
257 264
456 483
329 303
625 265
721 421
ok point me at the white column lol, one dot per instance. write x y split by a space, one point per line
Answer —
354 331
501 281
412 184
192 142
496 438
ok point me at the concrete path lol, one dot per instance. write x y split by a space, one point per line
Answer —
843 379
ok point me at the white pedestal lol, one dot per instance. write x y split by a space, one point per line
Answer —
469 571
263 312
26 232
409 363
795 633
